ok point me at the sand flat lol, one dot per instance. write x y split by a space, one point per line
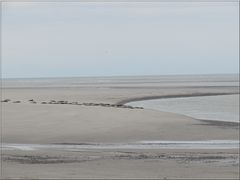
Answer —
29 123
45 123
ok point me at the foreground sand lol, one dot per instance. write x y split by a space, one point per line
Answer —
118 164
26 122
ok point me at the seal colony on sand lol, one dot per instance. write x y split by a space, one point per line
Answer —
77 103
121 104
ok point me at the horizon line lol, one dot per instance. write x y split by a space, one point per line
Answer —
103 76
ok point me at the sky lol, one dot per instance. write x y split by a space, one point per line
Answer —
119 39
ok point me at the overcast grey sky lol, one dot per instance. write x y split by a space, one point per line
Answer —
101 39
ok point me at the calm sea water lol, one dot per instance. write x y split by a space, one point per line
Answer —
126 81
223 108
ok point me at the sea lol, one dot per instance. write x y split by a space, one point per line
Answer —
220 108
125 81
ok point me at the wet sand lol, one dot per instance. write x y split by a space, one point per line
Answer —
26 122
110 164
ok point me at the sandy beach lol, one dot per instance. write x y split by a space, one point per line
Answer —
96 114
